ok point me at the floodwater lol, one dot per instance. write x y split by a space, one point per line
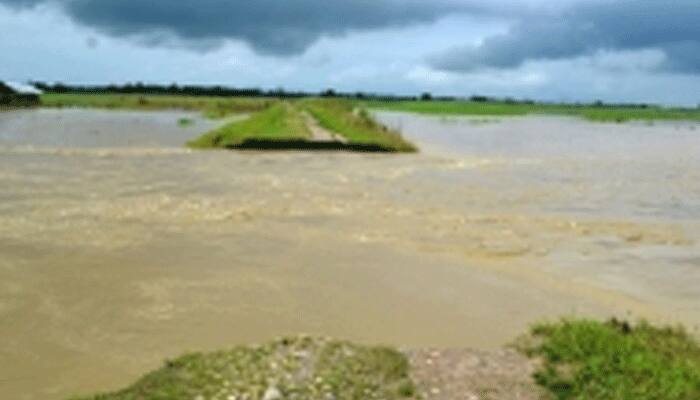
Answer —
121 248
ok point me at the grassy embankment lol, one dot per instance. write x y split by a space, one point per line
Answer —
604 113
355 124
211 107
282 126
578 360
278 122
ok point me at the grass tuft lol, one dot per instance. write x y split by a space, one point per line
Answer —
614 360
185 122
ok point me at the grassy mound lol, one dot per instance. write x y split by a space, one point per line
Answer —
603 113
279 122
592 360
282 127
340 117
212 107
301 368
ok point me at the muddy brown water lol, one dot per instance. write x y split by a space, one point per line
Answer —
119 252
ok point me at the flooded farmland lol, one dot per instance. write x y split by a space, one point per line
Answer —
120 248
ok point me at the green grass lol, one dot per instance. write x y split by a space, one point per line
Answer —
591 360
185 122
212 107
278 122
595 113
302 368
341 117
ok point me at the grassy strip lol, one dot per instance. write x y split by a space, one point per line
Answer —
340 117
279 122
301 368
592 360
212 107
594 113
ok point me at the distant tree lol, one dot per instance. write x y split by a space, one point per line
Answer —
479 99
426 96
328 93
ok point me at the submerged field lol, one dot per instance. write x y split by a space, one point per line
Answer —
594 113
211 107
274 124
217 107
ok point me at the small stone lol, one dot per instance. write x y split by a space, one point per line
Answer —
272 393
435 391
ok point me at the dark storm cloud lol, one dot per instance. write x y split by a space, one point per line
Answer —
671 26
280 27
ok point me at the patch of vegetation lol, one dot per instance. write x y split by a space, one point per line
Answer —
451 107
356 125
602 113
211 107
278 122
591 360
292 368
185 122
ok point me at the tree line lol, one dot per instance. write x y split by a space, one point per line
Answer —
219 90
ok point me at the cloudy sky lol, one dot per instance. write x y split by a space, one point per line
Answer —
570 50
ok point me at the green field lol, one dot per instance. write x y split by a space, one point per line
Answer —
217 107
601 113
212 107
